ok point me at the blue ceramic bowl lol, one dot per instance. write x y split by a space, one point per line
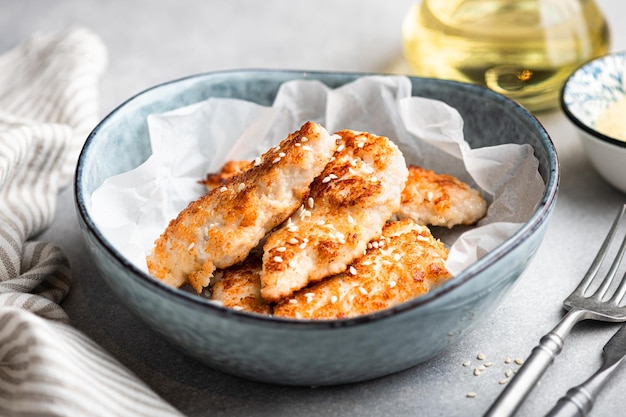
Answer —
311 352
586 94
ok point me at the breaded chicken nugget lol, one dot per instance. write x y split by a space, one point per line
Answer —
239 287
406 262
348 206
220 228
230 168
440 200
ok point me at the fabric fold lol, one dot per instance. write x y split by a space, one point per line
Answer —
48 105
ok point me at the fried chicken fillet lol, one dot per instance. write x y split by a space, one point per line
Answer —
440 200
404 263
349 203
220 228
239 287
230 168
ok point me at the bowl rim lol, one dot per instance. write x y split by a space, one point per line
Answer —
540 215
572 117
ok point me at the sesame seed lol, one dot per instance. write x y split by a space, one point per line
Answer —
223 189
508 373
278 259
311 202
281 249
366 263
257 161
282 154
238 308
392 284
519 361
241 186
293 301
397 257
307 148
298 145
276 160
350 219
304 139
333 176
333 299
488 364
309 294
481 368
507 360
429 196
293 241
302 245
360 145
277 147
503 381
292 264
340 148
326 180
476 371
191 245
375 244
480 356
363 290
467 363
471 395
353 270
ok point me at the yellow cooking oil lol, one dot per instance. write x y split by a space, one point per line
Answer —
524 49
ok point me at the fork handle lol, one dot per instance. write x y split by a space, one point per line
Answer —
530 372
576 403
579 400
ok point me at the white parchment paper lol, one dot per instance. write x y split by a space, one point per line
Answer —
133 208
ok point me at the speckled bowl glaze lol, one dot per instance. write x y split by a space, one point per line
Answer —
589 91
297 352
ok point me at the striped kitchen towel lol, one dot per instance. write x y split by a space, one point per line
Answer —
48 104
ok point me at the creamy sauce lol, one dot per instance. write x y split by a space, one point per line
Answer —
612 122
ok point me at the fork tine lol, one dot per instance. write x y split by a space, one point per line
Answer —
618 297
595 265
612 271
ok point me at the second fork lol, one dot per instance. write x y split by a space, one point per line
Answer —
580 307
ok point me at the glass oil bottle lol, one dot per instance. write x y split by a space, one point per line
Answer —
524 49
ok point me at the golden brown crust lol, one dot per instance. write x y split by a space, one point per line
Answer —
220 228
349 203
406 262
239 287
440 200
230 168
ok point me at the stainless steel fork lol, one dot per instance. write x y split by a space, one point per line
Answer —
580 306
